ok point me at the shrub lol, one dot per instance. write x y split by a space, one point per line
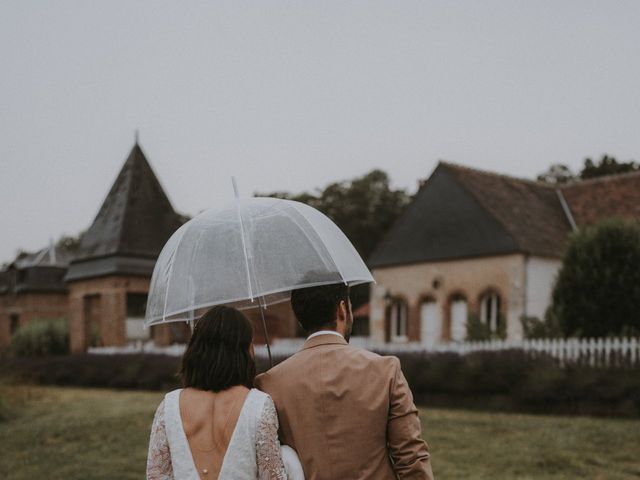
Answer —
498 372
533 327
597 291
130 371
477 330
127 371
523 381
41 337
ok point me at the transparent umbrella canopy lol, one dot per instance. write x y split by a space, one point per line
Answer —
248 254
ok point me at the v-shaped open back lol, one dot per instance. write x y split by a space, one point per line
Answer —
241 444
208 421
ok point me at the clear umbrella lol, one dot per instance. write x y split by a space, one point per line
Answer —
248 254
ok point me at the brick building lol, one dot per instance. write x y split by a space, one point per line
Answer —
108 280
102 287
480 243
32 287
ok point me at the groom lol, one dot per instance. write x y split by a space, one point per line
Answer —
348 412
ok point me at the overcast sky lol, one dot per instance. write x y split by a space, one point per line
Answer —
293 95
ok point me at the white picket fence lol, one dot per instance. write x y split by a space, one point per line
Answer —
595 352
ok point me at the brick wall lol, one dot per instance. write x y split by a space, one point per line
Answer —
29 307
443 281
103 302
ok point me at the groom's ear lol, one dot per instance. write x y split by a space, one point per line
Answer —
342 310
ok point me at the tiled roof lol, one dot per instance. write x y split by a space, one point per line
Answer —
530 211
611 196
462 212
134 222
41 271
52 256
444 221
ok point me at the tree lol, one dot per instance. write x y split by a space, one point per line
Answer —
597 291
69 242
557 174
364 207
607 166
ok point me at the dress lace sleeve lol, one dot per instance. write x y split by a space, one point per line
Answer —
270 465
159 458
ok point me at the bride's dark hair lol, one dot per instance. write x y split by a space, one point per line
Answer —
218 355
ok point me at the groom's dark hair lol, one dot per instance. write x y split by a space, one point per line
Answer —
315 307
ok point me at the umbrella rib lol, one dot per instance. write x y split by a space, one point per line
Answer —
311 227
244 250
173 256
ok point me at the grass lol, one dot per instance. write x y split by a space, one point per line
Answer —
73 434
478 445
64 433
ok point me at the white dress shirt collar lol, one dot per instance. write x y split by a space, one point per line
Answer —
324 332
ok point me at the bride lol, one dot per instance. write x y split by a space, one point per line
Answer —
218 426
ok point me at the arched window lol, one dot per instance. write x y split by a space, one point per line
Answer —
490 311
459 313
398 314
430 322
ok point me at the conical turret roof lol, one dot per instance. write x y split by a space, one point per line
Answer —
132 225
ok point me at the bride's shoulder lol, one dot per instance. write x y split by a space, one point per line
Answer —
259 396
261 401
170 398
173 395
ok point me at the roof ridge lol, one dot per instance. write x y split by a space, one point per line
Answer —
127 190
600 179
459 166
571 183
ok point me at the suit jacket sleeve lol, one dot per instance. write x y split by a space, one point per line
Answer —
409 453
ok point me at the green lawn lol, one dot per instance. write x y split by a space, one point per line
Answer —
60 433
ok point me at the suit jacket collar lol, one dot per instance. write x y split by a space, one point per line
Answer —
326 339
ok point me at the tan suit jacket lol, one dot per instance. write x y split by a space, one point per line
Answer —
348 413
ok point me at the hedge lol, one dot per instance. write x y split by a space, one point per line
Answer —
504 380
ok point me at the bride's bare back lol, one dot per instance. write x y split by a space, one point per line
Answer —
208 420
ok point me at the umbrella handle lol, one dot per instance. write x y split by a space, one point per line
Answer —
266 335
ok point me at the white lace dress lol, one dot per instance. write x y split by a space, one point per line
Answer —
254 451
